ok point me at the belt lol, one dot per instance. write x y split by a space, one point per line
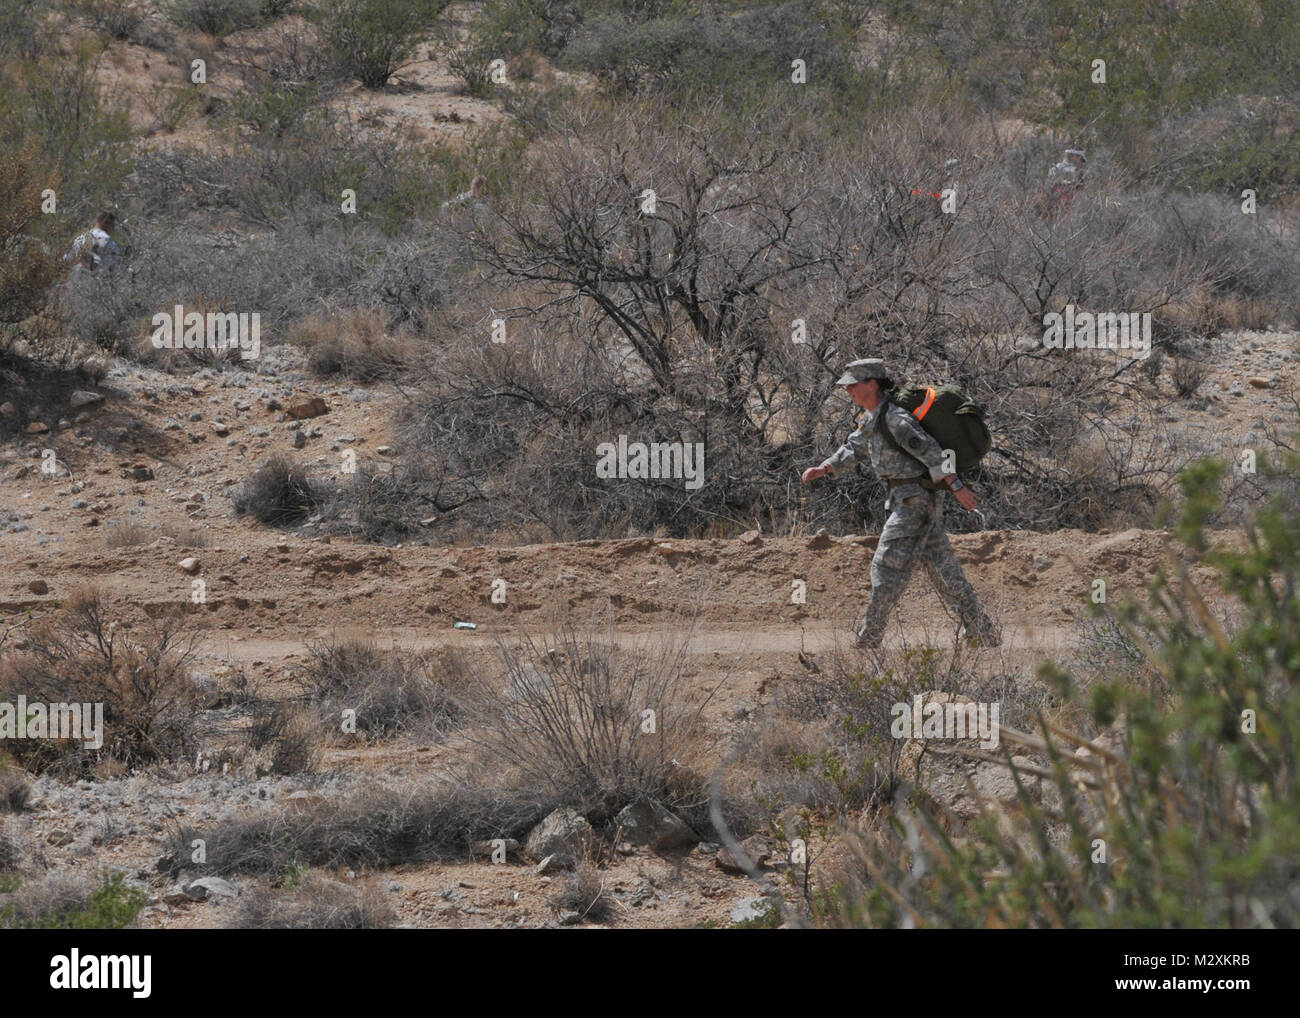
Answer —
923 481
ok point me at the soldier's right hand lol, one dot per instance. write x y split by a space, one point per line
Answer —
812 473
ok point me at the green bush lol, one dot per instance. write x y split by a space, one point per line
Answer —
118 18
373 39
1182 813
714 52
65 905
58 107
215 17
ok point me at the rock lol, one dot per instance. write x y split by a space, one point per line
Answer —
650 824
1042 563
545 866
299 440
384 450
564 834
313 407
1259 383
346 439
820 541
38 587
37 428
220 430
754 847
175 895
488 847
748 909
59 838
190 565
7 409
570 918
211 887
81 398
304 800
751 537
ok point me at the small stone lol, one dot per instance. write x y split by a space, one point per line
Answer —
175 895
299 440
211 887
7 409
751 537
38 587
220 430
82 398
59 838
313 407
189 565
820 541
37 428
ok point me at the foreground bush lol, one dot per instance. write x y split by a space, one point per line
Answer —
79 657
1183 813
70 903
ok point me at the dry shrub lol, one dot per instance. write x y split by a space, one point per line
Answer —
374 826
1189 375
572 723
15 790
355 344
77 657
277 493
283 739
391 691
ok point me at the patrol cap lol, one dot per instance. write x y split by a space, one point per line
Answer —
860 371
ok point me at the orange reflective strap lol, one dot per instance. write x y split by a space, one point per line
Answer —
920 412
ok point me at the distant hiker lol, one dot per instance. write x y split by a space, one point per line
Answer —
95 249
472 199
906 456
1063 180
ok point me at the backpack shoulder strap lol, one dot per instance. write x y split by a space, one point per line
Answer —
885 432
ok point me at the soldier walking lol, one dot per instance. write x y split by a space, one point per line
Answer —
913 466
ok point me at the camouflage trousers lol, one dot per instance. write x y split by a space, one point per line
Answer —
914 533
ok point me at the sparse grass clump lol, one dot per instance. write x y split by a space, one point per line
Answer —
583 891
356 346
315 903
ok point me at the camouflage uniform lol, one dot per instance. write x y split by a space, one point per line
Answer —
914 531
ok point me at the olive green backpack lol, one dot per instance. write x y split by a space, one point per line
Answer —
949 416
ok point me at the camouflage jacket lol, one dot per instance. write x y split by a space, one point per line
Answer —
1064 175
919 453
